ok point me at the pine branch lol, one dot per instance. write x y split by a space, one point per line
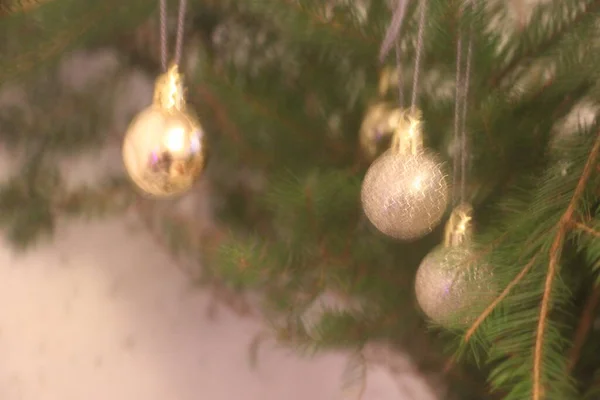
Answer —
555 254
300 24
58 37
496 79
498 300
260 110
318 20
586 229
585 323
229 128
20 6
253 101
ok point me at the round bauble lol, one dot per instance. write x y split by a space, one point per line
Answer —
164 151
405 195
453 286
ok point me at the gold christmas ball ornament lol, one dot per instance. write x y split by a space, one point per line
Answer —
453 285
377 128
405 193
164 150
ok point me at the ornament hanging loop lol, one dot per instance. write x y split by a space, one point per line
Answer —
459 228
163 32
408 135
169 92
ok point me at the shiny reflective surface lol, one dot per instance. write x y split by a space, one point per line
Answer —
164 151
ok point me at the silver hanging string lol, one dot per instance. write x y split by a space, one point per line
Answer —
460 117
163 33
391 36
164 55
463 133
400 78
393 30
419 51
457 118
180 24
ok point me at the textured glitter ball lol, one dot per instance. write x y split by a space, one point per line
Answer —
164 151
405 195
451 287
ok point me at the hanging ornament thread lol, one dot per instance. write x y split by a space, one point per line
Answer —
453 284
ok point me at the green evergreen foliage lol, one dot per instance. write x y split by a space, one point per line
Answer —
282 88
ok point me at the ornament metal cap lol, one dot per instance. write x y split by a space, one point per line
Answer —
459 227
169 92
408 136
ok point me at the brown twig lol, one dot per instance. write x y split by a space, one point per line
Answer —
585 323
586 229
449 365
22 6
555 254
498 299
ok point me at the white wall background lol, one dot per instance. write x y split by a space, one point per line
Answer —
101 313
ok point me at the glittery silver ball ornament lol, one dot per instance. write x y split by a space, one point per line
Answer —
453 286
405 195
